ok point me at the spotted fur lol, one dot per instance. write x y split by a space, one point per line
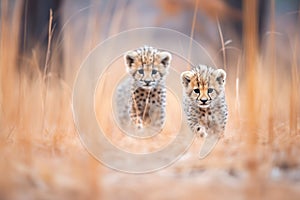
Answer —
142 96
204 100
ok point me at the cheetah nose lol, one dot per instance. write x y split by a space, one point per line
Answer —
147 82
203 100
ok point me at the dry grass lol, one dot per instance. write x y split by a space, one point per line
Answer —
41 156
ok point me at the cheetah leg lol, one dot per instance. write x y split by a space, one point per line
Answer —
146 120
135 114
200 131
138 122
157 118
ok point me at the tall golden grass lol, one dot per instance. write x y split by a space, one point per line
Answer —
42 158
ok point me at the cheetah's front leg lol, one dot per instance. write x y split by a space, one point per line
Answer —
140 118
138 122
201 131
135 117
198 128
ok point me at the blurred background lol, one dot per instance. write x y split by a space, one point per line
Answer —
44 42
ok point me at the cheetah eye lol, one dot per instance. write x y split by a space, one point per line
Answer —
210 90
197 91
154 71
141 71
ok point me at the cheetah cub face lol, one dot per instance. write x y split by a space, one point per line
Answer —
203 85
147 66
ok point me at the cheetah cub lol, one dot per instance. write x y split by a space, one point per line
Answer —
142 96
204 100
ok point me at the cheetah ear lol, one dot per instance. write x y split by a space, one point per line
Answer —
165 58
186 78
129 58
220 75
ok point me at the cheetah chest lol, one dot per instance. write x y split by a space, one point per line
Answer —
207 117
149 105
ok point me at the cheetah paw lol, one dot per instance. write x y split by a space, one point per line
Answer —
138 123
200 132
